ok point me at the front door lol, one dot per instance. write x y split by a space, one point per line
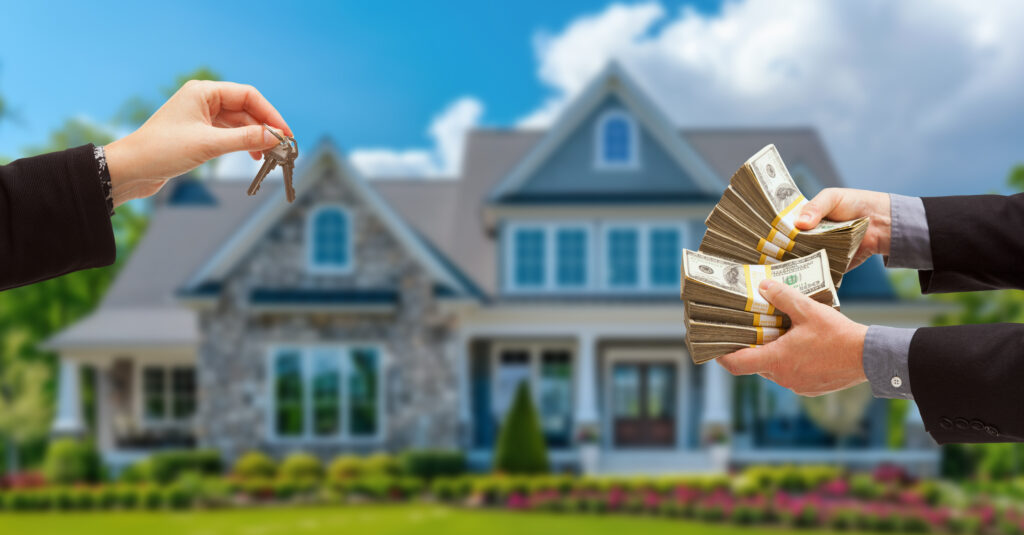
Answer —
644 404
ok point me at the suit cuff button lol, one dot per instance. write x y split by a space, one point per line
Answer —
946 423
961 423
896 382
977 425
992 431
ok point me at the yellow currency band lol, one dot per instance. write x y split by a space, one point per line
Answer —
778 239
763 244
758 322
788 209
751 289
760 335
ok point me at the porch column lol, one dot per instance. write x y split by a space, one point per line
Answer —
104 410
69 401
461 354
586 388
717 396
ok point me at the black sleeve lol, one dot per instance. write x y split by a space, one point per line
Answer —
53 217
977 243
967 382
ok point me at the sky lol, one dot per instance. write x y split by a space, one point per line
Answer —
919 97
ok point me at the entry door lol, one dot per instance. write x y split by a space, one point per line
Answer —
644 404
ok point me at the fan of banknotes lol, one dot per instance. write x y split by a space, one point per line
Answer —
752 236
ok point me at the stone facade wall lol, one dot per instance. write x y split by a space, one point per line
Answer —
419 378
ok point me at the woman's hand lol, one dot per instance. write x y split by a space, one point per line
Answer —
841 204
201 121
822 352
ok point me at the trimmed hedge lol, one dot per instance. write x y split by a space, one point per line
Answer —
166 467
430 464
301 466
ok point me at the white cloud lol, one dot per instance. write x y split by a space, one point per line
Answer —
917 96
448 131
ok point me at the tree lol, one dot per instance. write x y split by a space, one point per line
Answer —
521 448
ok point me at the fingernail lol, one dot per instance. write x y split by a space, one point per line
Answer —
766 285
805 218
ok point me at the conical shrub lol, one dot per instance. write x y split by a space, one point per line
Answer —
521 448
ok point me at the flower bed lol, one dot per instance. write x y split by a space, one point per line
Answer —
806 497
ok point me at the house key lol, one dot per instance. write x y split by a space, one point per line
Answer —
283 154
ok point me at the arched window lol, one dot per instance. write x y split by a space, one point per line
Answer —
616 136
330 239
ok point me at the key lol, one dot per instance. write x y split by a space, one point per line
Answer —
283 154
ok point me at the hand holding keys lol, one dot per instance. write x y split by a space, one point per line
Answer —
283 154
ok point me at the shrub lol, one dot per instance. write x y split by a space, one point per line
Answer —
178 497
151 497
429 464
711 512
106 497
166 467
746 515
964 525
301 466
843 519
71 461
521 448
381 464
85 499
128 498
254 465
64 499
345 468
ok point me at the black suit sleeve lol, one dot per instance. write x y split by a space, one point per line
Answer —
977 243
53 217
967 379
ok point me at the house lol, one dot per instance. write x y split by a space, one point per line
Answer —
403 313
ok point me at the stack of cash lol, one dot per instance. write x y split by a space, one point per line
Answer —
754 220
726 312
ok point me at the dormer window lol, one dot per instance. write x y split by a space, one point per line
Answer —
617 144
330 240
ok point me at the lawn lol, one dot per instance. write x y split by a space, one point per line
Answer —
362 520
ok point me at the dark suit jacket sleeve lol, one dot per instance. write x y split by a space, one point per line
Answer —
977 243
967 381
53 217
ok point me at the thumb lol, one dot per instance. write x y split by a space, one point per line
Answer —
250 138
786 299
818 208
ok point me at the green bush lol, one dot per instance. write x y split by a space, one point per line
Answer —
127 497
381 464
106 497
64 499
166 467
301 466
254 465
521 448
429 464
140 472
178 497
71 461
85 499
151 497
345 468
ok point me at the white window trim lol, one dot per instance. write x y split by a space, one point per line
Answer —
633 163
550 283
167 421
344 435
329 269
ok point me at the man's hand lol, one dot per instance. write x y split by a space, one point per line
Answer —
821 353
841 204
201 121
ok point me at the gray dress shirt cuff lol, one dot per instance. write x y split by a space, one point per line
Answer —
910 245
886 361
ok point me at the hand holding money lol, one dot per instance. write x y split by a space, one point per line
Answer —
797 361
843 204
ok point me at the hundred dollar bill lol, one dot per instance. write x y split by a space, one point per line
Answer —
702 352
695 311
706 331
716 281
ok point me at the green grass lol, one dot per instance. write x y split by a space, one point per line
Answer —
361 520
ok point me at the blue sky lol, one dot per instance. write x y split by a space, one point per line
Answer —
364 73
915 97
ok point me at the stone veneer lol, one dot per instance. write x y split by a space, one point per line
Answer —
419 380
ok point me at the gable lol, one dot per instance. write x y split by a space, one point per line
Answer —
280 231
573 170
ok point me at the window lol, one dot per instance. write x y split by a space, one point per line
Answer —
326 393
623 257
666 253
168 393
529 257
547 370
616 145
330 240
555 396
289 414
572 257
